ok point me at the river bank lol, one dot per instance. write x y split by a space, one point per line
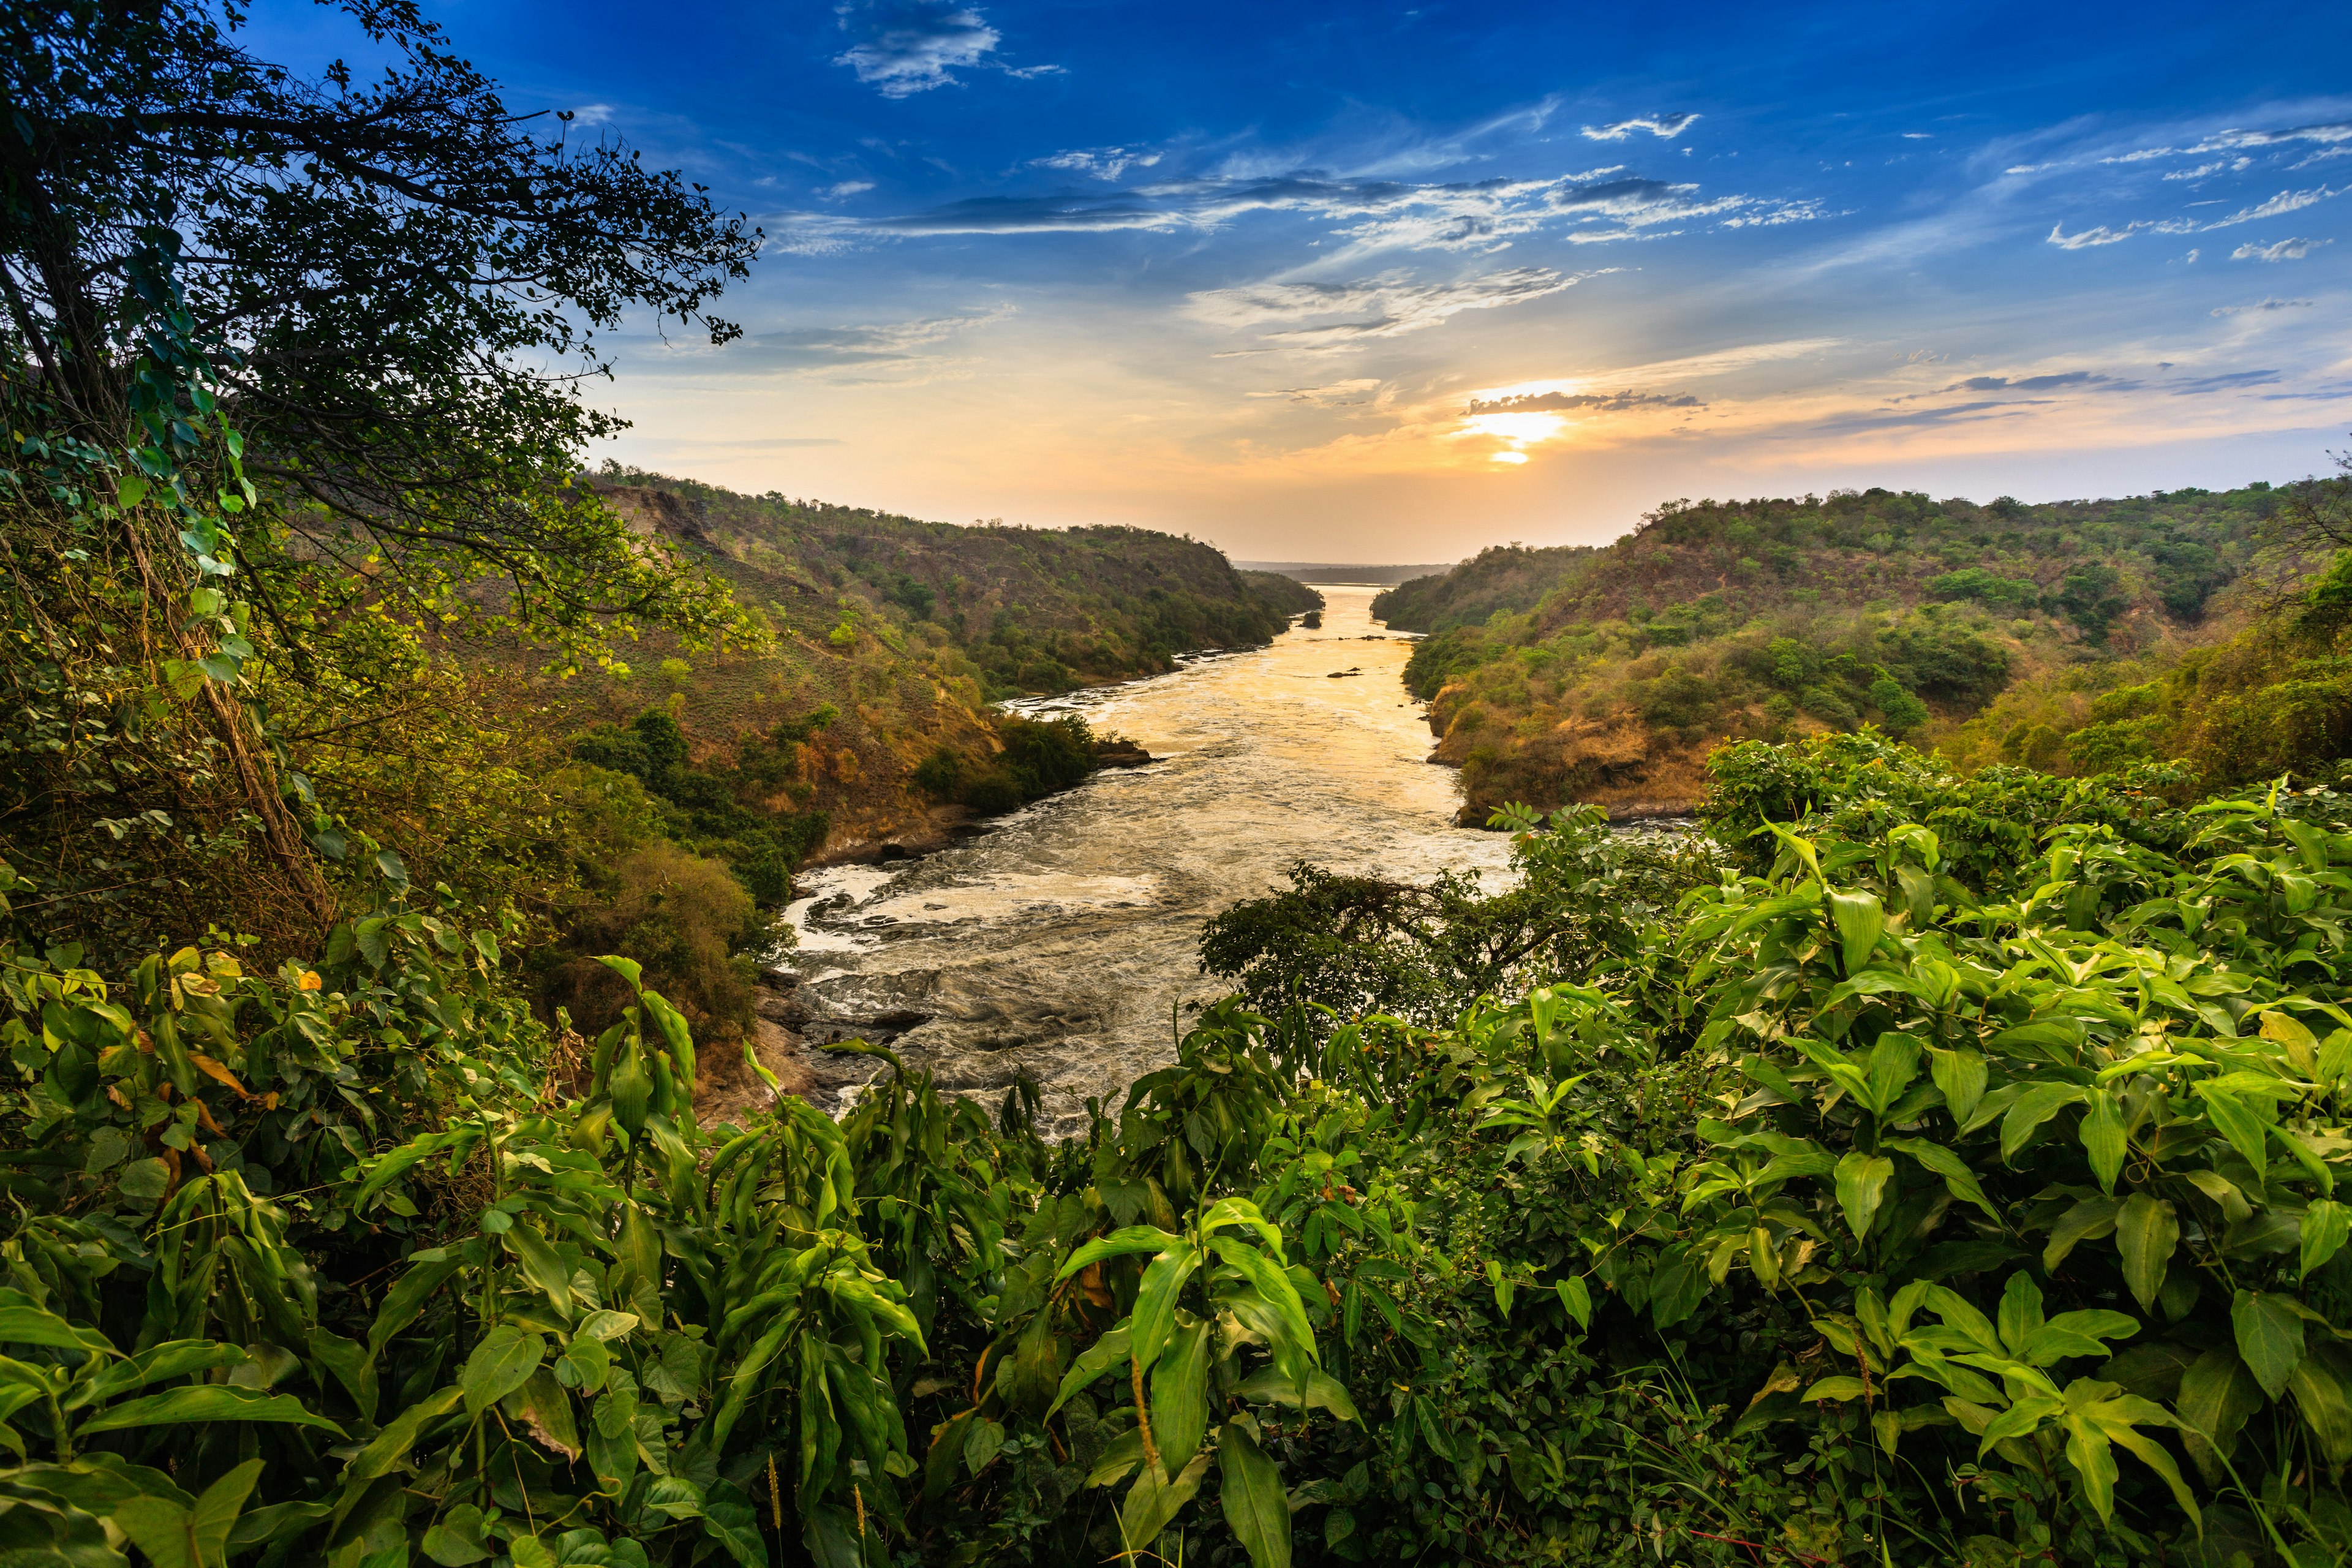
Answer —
1058 942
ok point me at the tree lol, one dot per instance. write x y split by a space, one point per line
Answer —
397 287
293 373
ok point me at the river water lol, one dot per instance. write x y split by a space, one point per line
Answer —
1057 943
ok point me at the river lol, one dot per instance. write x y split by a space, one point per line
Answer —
1056 944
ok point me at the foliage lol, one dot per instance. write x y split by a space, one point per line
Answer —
1605 675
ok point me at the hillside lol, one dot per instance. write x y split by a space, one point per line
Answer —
1606 675
871 722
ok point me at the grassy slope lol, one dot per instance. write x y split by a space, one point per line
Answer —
1607 674
910 630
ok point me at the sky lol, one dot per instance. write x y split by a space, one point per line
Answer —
1371 283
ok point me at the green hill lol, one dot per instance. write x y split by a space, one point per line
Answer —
1606 675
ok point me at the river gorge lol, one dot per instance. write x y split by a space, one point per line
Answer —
1060 945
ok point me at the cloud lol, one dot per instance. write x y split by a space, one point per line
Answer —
1102 163
2204 170
1482 215
907 47
2328 133
2278 206
1333 394
748 443
1563 401
1664 126
2103 234
2262 305
845 188
891 351
1388 306
2231 382
1918 136
2284 251
2029 382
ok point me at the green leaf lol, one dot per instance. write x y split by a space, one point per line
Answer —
2324 1229
2218 1394
2238 1122
197 1537
2031 1110
1254 1501
542 1268
2021 1311
1576 1299
1861 1181
2147 1230
2270 1337
1274 1287
2320 1396
1132 1240
1154 1500
1957 1178
1180 1394
23 1323
628 969
501 1363
1893 1063
1961 1076
1155 1300
1324 1392
1092 1363
207 1402
1859 923
2103 1135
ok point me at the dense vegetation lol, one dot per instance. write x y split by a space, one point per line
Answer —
1920 1168
1033 610
1606 675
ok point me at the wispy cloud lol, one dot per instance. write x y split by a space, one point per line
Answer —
845 188
1350 393
2262 305
2328 133
2051 382
2084 239
2284 251
1388 306
1102 163
1664 126
2278 206
1483 214
1598 403
885 351
907 47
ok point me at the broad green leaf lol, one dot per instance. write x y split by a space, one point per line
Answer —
1861 1181
1859 923
2218 1394
2086 1220
1255 1503
1180 1394
1154 1500
1132 1240
1155 1300
1324 1392
404 1301
628 969
2147 1230
542 1268
2270 1337
2237 1121
205 1401
1092 1363
2103 1135
1961 1076
197 1537
1576 1299
2320 1396
2324 1229
501 1363
1893 1063
2031 1110
24 1323
389 1450
2021 1311
1957 1178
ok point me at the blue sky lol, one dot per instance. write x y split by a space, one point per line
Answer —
1380 283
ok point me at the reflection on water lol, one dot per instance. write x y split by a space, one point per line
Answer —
1056 944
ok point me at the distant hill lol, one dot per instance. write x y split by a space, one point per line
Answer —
1338 572
1606 675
